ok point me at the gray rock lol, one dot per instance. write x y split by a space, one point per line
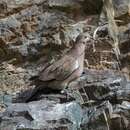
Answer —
121 7
99 85
43 114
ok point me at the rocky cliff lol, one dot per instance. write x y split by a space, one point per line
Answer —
35 33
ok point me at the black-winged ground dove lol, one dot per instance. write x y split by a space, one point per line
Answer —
68 68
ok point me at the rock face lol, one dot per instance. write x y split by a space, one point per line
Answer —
43 114
101 85
37 33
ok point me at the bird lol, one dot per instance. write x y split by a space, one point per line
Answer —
67 68
60 73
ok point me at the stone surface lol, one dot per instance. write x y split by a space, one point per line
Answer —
35 33
68 116
99 86
43 114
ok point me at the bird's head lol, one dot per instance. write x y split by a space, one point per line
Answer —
83 38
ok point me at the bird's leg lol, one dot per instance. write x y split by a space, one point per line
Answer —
68 86
76 92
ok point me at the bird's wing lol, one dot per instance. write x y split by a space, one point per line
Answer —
60 70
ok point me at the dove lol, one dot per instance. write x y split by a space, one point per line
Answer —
59 74
67 68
